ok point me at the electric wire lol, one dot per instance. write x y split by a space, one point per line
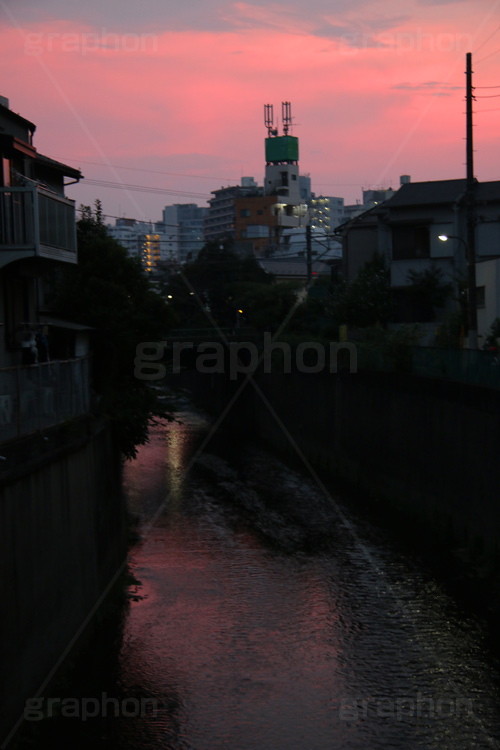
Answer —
487 39
487 56
142 188
141 169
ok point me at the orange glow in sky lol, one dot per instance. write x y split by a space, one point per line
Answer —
377 90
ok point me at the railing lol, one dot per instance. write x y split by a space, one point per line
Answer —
476 367
17 217
36 397
32 218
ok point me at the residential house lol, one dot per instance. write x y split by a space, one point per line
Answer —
37 234
405 230
37 230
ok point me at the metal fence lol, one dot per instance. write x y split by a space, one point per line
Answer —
36 397
476 367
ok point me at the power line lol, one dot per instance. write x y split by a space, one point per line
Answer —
139 169
487 56
130 218
487 40
142 188
182 174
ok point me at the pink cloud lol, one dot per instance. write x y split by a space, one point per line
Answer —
392 105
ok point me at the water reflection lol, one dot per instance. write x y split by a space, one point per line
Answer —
265 623
264 627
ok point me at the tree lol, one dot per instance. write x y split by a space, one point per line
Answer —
366 300
429 291
265 305
214 279
109 291
493 335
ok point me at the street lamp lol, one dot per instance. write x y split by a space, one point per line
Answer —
471 290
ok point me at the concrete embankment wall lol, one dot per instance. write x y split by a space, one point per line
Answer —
428 447
62 538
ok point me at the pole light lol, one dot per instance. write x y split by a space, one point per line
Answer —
446 237
471 290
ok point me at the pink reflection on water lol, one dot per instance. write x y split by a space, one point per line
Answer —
244 637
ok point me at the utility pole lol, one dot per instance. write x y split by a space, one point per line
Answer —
470 216
309 254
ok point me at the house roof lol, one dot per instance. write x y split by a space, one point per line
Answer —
488 191
50 320
7 112
53 164
294 267
365 217
439 192
427 193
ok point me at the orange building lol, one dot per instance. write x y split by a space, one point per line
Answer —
257 222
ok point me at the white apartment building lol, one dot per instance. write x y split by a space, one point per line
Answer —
183 222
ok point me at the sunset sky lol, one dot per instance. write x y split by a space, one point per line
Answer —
377 89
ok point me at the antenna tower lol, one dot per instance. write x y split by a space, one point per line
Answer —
269 120
286 116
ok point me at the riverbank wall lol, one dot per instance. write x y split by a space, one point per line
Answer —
425 447
63 537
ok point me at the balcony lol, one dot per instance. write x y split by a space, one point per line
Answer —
37 397
35 222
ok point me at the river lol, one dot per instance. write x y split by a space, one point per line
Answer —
270 616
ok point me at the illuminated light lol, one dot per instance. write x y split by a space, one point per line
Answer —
169 296
240 311
443 237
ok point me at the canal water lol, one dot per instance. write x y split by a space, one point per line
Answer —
270 617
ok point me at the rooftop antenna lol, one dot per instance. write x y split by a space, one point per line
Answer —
269 120
286 116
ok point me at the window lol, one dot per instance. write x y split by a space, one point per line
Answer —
244 212
17 294
260 212
480 296
410 242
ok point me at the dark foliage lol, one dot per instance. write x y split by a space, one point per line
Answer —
109 291
429 291
215 286
366 301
